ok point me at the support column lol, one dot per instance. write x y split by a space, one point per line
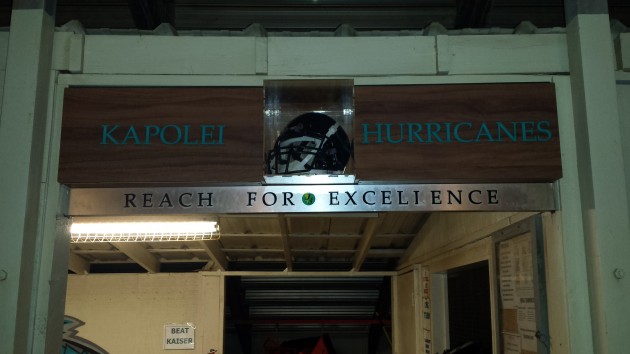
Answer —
24 127
603 211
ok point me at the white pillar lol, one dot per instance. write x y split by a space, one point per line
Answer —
29 195
602 187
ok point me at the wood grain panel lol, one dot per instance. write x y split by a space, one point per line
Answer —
237 158
523 159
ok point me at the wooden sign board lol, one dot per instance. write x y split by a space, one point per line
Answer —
477 133
122 136
457 133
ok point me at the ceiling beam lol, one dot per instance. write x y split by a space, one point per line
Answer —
307 274
213 249
148 14
365 243
48 5
78 264
573 8
380 252
284 233
208 267
139 255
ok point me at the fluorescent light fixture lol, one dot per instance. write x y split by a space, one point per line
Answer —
143 231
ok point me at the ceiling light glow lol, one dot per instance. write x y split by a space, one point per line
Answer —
143 231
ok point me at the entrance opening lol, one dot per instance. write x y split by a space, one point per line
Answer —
240 297
469 316
318 314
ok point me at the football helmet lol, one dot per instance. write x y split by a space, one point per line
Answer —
312 143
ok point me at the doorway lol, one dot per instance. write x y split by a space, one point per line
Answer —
307 314
469 311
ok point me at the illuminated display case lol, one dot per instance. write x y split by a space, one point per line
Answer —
308 135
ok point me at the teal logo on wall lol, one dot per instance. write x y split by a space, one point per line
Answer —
308 198
72 344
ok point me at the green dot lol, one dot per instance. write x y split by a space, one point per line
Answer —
308 198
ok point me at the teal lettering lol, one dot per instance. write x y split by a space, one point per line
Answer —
187 136
543 128
367 133
131 134
163 134
168 135
483 131
503 129
150 131
447 125
220 134
433 133
456 132
207 135
528 131
107 134
414 130
389 134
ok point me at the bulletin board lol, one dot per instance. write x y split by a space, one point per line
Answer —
520 279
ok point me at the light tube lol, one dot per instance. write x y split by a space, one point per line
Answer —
81 232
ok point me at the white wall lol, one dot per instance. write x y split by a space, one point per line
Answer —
405 312
448 240
4 47
622 45
126 313
310 56
623 97
445 232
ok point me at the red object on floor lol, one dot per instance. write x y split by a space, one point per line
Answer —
320 347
